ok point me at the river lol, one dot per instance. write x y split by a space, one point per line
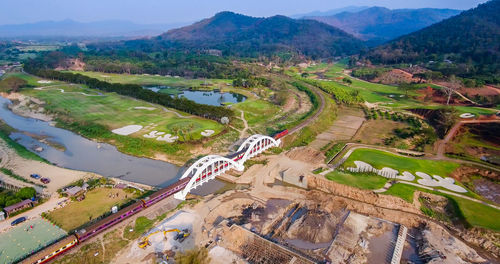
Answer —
82 154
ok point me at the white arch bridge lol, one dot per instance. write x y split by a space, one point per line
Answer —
209 167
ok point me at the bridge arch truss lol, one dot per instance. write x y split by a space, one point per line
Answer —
208 167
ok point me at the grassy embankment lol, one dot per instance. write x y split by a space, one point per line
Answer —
324 120
5 131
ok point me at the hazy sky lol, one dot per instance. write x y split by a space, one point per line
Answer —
172 11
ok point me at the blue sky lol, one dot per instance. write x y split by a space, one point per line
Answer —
173 11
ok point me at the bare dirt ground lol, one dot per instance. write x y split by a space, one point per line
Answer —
486 90
395 76
374 132
349 120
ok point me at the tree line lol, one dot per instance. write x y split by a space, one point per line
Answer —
135 91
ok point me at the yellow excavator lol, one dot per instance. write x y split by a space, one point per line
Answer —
181 235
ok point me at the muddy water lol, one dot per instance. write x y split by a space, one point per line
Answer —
410 253
79 153
381 247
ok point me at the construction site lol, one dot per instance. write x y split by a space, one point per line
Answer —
307 220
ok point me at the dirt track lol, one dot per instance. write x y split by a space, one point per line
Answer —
313 117
453 131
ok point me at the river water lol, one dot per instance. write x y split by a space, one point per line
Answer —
82 154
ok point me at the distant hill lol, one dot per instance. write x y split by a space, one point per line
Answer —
236 34
471 41
379 24
70 28
331 12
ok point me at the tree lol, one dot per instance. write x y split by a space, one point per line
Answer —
26 193
453 85
347 80
12 84
194 256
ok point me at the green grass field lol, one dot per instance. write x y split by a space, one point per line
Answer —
366 181
379 159
96 203
156 80
403 191
257 111
115 111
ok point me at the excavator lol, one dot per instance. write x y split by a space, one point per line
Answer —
181 236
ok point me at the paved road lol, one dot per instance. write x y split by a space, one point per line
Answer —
34 213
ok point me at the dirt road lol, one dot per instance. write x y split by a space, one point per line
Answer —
441 145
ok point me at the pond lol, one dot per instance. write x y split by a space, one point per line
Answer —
214 97
78 153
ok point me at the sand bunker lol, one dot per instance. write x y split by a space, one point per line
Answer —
207 133
153 134
144 108
127 130
44 81
427 180
105 76
467 115
158 135
168 138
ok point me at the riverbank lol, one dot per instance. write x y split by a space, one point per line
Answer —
59 177
79 153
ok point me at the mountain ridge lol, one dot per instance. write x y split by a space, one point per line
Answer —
238 34
379 24
72 28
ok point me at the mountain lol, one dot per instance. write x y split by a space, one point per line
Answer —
331 12
236 34
70 28
471 41
379 24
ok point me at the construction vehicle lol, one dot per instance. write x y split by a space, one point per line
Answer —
181 235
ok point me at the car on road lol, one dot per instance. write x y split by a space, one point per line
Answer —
18 221
45 180
35 176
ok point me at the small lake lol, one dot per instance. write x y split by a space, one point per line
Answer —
214 97
82 154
